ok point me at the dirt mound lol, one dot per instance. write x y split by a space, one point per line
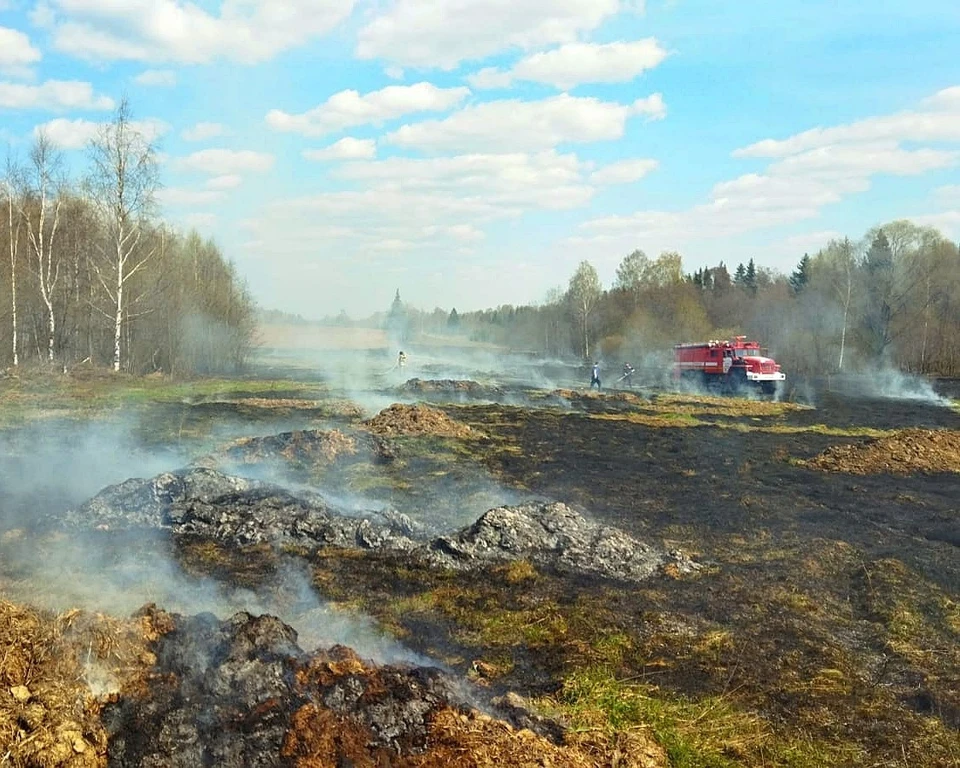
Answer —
308 447
204 502
241 692
556 536
614 396
910 451
449 386
50 669
401 419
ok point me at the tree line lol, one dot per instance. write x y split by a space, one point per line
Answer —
94 277
891 298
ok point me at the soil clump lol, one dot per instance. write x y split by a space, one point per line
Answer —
241 512
207 503
418 420
241 692
456 387
556 536
907 452
305 447
53 670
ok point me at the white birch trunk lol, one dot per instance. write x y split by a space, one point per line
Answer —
118 318
14 243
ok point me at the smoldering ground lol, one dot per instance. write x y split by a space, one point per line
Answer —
47 468
53 464
117 572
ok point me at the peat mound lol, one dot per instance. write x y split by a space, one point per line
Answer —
907 452
240 512
306 447
418 419
241 692
449 386
51 670
556 536
205 502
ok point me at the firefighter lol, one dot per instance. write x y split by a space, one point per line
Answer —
627 374
401 360
595 375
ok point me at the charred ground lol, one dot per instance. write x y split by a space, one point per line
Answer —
823 629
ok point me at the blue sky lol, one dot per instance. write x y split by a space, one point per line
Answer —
472 152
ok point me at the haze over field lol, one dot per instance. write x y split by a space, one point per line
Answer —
474 154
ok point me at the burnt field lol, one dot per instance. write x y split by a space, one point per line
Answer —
664 579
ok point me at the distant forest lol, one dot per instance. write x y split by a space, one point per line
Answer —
891 298
91 276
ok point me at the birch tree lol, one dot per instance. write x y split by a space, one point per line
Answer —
123 185
13 191
584 293
837 266
42 215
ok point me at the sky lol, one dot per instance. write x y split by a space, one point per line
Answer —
470 153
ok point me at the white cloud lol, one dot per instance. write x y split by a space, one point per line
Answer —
652 106
348 108
624 171
807 172
53 95
228 181
808 242
177 31
17 53
77 134
947 222
183 196
422 205
442 33
346 149
862 160
938 120
226 162
202 132
394 73
521 125
200 221
575 63
494 185
159 78
490 78
949 194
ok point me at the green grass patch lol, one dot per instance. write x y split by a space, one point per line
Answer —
709 732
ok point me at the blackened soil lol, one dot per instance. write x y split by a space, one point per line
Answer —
829 604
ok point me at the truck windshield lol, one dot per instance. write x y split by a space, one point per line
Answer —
747 352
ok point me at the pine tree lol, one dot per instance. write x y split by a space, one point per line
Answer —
801 275
740 276
750 278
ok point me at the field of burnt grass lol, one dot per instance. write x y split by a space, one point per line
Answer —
805 610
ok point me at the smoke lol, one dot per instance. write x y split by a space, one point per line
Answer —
53 465
361 365
118 572
49 467
891 384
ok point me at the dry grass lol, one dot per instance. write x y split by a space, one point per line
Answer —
53 671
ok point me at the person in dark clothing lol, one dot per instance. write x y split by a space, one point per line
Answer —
627 377
595 376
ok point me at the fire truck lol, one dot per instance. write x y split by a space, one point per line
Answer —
731 367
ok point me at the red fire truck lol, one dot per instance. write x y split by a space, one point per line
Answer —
727 366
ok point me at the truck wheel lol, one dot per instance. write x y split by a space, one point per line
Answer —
737 380
769 388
